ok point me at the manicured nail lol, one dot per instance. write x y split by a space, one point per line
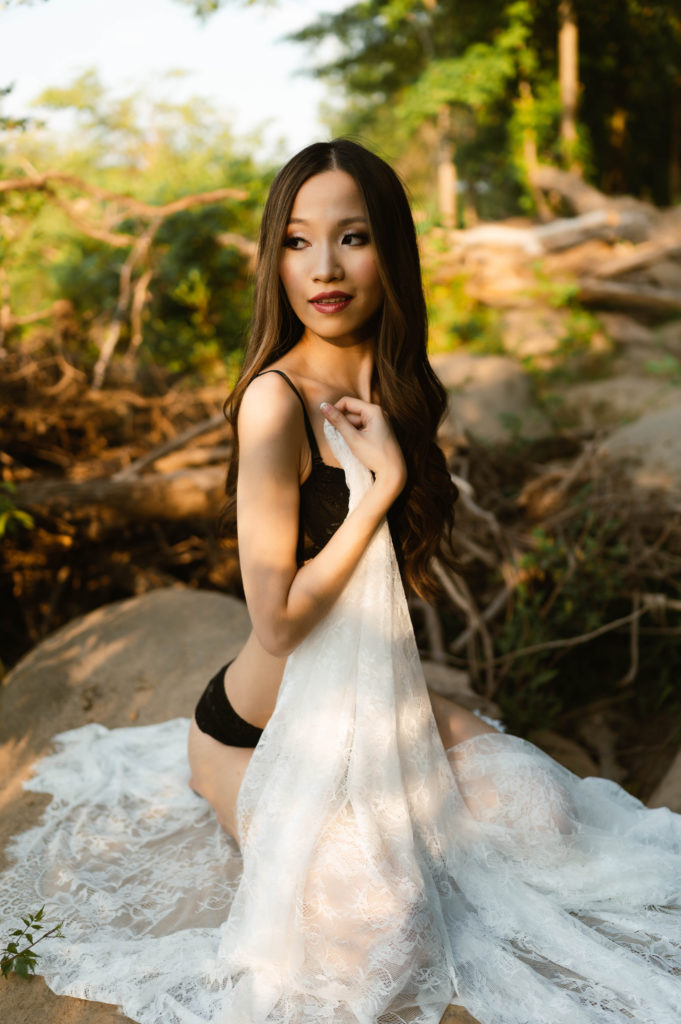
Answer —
324 405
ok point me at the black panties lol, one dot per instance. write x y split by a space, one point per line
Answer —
217 718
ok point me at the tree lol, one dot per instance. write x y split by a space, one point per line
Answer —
144 224
568 77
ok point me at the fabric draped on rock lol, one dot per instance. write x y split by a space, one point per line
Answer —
381 878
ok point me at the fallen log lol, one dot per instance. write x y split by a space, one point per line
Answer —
186 494
582 197
217 454
563 233
192 432
568 232
642 256
656 301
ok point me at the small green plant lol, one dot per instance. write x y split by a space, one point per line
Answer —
557 292
19 956
11 517
456 319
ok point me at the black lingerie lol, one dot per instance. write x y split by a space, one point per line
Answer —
215 716
323 507
323 495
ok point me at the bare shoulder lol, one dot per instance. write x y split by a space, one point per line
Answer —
271 425
268 406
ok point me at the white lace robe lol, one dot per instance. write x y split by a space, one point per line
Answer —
380 879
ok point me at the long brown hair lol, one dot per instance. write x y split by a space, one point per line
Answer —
410 393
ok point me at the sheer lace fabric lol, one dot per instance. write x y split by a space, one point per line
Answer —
380 877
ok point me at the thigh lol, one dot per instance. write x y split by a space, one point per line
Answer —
216 774
455 724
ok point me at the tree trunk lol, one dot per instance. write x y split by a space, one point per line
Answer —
675 144
568 77
530 159
446 168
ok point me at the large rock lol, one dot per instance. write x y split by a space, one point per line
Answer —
133 662
616 401
490 398
138 661
651 448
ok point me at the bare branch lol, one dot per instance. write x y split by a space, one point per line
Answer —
40 182
457 590
135 468
650 603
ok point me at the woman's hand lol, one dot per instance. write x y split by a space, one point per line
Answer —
369 436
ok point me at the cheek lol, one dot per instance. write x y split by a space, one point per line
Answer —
371 276
288 279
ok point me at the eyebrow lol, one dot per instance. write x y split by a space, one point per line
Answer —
341 223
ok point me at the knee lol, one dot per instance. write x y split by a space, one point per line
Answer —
455 724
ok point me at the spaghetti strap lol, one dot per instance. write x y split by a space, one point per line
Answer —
314 447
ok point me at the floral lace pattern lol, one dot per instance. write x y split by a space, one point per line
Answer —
380 877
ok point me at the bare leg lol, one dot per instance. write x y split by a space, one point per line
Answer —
455 724
217 772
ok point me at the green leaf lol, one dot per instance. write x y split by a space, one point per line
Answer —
21 967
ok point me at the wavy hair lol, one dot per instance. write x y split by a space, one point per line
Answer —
410 393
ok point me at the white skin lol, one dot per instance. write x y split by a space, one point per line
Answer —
328 249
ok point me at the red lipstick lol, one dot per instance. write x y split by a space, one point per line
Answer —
331 302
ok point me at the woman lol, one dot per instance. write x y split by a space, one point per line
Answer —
396 853
339 331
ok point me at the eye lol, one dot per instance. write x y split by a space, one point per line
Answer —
294 242
355 238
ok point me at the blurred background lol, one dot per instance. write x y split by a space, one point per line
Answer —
540 141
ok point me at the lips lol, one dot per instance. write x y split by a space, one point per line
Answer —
331 302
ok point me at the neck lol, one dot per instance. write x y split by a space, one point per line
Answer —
348 368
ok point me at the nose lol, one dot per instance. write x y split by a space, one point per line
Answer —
327 266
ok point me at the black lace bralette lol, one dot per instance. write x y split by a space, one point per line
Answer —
323 495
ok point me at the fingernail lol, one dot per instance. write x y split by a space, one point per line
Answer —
324 405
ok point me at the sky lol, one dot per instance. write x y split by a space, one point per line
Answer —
236 58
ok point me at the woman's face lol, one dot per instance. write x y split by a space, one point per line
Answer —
328 264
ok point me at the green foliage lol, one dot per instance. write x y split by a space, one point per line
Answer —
571 581
455 319
200 289
19 955
582 351
12 519
495 65
480 76
12 123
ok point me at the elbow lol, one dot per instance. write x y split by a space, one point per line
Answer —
277 641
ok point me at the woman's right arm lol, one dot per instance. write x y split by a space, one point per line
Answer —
286 602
